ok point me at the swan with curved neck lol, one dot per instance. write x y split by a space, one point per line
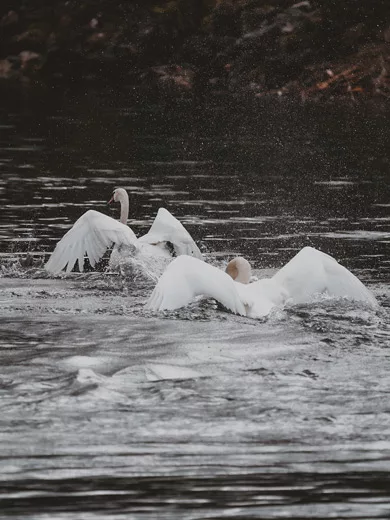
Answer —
307 275
120 195
94 232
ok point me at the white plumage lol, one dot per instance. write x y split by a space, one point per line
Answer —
187 277
166 228
93 233
312 272
308 274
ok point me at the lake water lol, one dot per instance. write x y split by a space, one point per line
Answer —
110 411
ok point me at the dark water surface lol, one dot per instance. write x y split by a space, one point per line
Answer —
109 411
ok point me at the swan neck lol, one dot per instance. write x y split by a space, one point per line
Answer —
239 269
124 209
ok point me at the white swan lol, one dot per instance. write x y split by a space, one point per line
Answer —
94 232
309 273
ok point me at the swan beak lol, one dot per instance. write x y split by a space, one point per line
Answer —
111 200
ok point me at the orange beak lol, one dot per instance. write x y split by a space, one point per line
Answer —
111 200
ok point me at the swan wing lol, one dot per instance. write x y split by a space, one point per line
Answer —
261 297
312 272
92 234
166 228
187 277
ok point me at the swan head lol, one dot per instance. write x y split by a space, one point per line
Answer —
239 269
119 195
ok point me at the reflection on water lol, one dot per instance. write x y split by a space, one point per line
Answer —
233 175
109 410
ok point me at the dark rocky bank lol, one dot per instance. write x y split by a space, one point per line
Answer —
307 49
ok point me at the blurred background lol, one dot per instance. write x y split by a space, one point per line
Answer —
309 48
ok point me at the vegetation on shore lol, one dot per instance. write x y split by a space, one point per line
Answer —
302 48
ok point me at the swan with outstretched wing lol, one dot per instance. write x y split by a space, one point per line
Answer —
307 275
167 229
187 277
93 233
312 272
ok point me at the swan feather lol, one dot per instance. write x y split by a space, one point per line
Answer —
92 234
166 228
187 277
313 272
309 273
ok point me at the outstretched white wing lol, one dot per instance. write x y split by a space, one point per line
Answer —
92 234
312 272
166 228
187 277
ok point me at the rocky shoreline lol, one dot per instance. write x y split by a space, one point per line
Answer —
304 49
